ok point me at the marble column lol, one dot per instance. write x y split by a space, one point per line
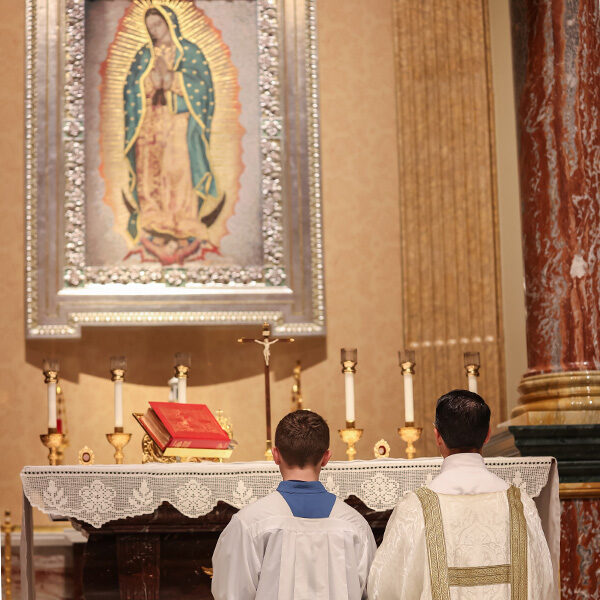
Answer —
580 547
556 53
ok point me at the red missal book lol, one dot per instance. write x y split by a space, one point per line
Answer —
174 425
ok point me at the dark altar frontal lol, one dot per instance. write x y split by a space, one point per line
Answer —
165 555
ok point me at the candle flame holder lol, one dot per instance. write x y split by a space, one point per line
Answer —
407 362
350 436
182 362
349 360
118 440
410 434
53 441
472 365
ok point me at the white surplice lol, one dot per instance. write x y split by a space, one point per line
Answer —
476 532
267 553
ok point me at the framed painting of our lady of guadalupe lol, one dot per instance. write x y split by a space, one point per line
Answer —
173 173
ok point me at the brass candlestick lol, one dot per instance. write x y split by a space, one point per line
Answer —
119 440
350 437
410 434
7 529
53 441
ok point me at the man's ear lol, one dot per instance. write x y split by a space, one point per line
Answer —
487 437
326 458
276 455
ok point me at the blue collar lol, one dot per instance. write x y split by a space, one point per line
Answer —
307 499
301 487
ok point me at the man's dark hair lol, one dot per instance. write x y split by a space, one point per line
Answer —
302 437
463 420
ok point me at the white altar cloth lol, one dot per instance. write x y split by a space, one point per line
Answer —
97 494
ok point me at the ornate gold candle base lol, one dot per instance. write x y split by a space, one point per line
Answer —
60 452
350 436
410 434
119 440
53 441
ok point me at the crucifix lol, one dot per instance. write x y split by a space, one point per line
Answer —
266 342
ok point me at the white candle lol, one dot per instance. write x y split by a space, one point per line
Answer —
409 406
349 381
181 389
51 404
119 403
472 378
173 389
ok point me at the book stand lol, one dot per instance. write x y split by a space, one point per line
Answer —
152 453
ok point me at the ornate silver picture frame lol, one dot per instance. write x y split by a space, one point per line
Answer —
76 273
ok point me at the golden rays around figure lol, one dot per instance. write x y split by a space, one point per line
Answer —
223 149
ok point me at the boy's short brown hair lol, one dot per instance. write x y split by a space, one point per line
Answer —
302 437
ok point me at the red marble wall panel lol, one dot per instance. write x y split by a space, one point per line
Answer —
580 549
557 74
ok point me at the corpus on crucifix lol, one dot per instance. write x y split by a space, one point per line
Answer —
266 342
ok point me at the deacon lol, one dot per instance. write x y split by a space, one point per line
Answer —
468 534
300 542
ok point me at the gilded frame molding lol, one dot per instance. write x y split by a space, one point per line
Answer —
63 293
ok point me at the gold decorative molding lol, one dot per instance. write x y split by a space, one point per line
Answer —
449 213
574 491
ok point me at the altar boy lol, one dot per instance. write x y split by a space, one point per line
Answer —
300 542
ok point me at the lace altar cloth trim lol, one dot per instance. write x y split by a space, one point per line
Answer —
97 494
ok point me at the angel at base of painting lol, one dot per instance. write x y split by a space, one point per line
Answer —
169 102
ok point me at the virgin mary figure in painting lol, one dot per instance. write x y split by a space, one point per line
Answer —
169 103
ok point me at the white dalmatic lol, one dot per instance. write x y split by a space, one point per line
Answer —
465 546
267 553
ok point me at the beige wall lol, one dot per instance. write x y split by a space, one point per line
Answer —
363 273
513 297
363 279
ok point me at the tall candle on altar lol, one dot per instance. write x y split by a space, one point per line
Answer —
51 380
349 361
183 361
118 365
407 364
472 364
173 385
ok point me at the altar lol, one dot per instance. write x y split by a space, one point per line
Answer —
152 528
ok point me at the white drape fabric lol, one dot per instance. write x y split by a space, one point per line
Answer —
97 494
266 553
